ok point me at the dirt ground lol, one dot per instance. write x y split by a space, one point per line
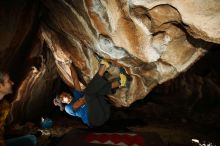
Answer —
173 126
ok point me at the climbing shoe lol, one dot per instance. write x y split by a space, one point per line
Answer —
123 77
123 80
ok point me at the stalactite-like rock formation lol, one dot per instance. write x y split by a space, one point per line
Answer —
154 41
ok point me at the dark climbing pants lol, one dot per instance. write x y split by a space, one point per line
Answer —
98 107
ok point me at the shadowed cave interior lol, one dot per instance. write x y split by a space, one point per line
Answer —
174 94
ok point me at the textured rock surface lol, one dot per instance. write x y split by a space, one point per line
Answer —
38 87
155 40
17 25
200 17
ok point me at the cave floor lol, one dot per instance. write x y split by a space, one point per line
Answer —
173 127
171 134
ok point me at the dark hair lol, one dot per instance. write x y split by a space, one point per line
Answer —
2 74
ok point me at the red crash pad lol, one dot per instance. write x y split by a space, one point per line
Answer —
89 138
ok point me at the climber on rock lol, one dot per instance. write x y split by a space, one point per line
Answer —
90 105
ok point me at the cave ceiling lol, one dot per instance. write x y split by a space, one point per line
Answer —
154 40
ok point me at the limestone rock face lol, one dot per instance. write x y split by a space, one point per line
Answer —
153 40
